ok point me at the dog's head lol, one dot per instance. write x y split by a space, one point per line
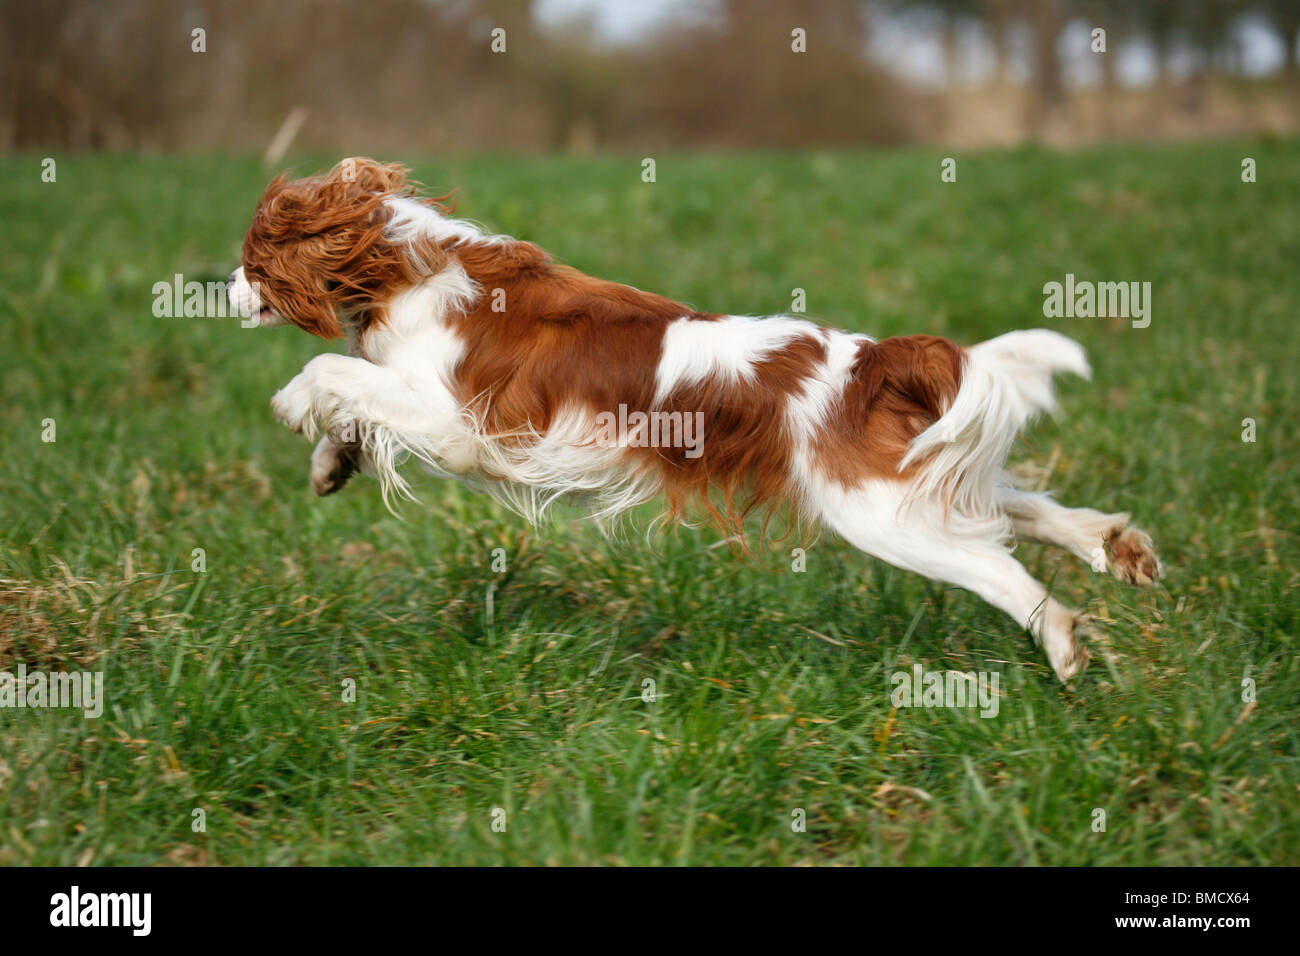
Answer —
315 255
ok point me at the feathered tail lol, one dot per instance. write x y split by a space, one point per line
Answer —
1006 382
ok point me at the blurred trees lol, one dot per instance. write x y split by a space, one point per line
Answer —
422 75
410 74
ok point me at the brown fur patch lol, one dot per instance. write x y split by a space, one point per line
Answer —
898 388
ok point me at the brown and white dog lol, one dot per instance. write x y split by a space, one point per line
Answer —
485 360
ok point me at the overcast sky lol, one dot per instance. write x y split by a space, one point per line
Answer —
909 44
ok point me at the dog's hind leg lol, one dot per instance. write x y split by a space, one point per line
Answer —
971 555
1105 541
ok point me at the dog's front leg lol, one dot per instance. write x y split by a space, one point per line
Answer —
375 413
321 398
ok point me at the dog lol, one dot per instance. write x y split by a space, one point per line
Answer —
488 362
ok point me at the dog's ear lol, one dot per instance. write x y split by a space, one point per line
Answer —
320 321
311 310
318 243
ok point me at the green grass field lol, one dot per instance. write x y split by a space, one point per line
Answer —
521 691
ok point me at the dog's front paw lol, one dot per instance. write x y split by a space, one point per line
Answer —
312 403
292 405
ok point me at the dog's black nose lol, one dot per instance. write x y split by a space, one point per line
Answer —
231 278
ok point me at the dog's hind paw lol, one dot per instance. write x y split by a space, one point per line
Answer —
1062 633
1133 557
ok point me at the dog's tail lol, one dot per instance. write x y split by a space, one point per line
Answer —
1005 383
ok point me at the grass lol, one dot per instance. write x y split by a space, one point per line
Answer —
521 691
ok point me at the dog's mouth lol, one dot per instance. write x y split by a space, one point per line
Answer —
267 317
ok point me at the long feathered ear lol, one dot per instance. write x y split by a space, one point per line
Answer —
309 310
317 244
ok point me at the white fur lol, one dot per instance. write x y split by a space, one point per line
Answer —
919 538
725 349
247 301
411 219
566 462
